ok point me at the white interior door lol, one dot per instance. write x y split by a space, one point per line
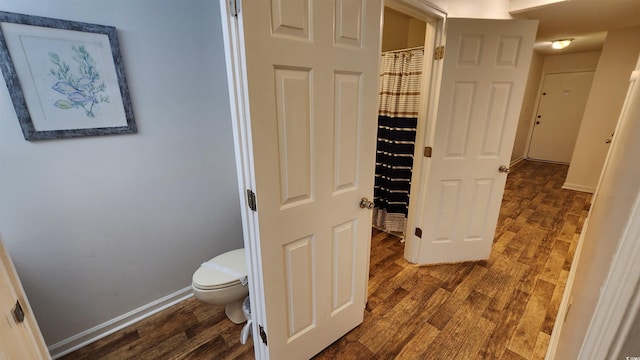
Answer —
485 70
560 109
312 83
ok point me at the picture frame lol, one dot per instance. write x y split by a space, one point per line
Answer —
65 78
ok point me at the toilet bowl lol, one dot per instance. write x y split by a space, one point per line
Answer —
222 281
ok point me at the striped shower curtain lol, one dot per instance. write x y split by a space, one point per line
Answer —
400 82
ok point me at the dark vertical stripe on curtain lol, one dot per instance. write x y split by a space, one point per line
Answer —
400 82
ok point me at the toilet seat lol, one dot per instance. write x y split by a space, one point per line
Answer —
216 287
207 278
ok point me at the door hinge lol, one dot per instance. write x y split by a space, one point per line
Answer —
438 53
234 8
418 232
251 200
263 334
568 308
427 151
18 313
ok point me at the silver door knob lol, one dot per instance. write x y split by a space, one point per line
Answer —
365 203
504 169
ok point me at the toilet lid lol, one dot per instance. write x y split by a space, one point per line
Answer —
207 278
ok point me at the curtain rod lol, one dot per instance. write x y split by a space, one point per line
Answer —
402 50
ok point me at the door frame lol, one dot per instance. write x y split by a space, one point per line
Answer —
28 330
233 38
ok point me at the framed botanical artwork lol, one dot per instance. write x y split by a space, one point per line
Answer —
65 78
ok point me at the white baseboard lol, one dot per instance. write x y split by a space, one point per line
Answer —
577 187
107 328
516 160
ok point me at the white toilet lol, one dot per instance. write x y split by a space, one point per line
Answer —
223 281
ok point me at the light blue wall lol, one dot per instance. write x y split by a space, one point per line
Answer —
100 226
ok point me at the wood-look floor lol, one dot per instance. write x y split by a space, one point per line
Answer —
501 308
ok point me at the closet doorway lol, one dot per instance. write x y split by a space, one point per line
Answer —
400 95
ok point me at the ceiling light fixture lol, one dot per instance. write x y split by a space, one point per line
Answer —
561 44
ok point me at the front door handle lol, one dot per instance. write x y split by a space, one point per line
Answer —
504 169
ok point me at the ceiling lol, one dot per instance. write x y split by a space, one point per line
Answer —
585 21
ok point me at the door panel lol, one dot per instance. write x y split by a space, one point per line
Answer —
484 73
348 17
290 18
312 81
298 258
294 132
344 262
346 150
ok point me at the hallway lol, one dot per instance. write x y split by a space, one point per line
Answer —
501 308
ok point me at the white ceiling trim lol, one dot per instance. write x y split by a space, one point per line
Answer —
518 6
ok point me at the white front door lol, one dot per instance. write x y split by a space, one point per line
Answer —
312 87
560 109
485 70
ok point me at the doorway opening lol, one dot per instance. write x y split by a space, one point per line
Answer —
401 67
408 38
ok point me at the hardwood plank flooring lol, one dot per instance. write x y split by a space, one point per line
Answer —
501 308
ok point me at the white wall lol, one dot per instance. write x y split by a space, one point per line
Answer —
573 62
480 9
100 226
401 31
529 102
609 217
395 30
608 90
417 31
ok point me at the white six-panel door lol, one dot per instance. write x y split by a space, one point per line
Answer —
312 80
559 115
485 70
